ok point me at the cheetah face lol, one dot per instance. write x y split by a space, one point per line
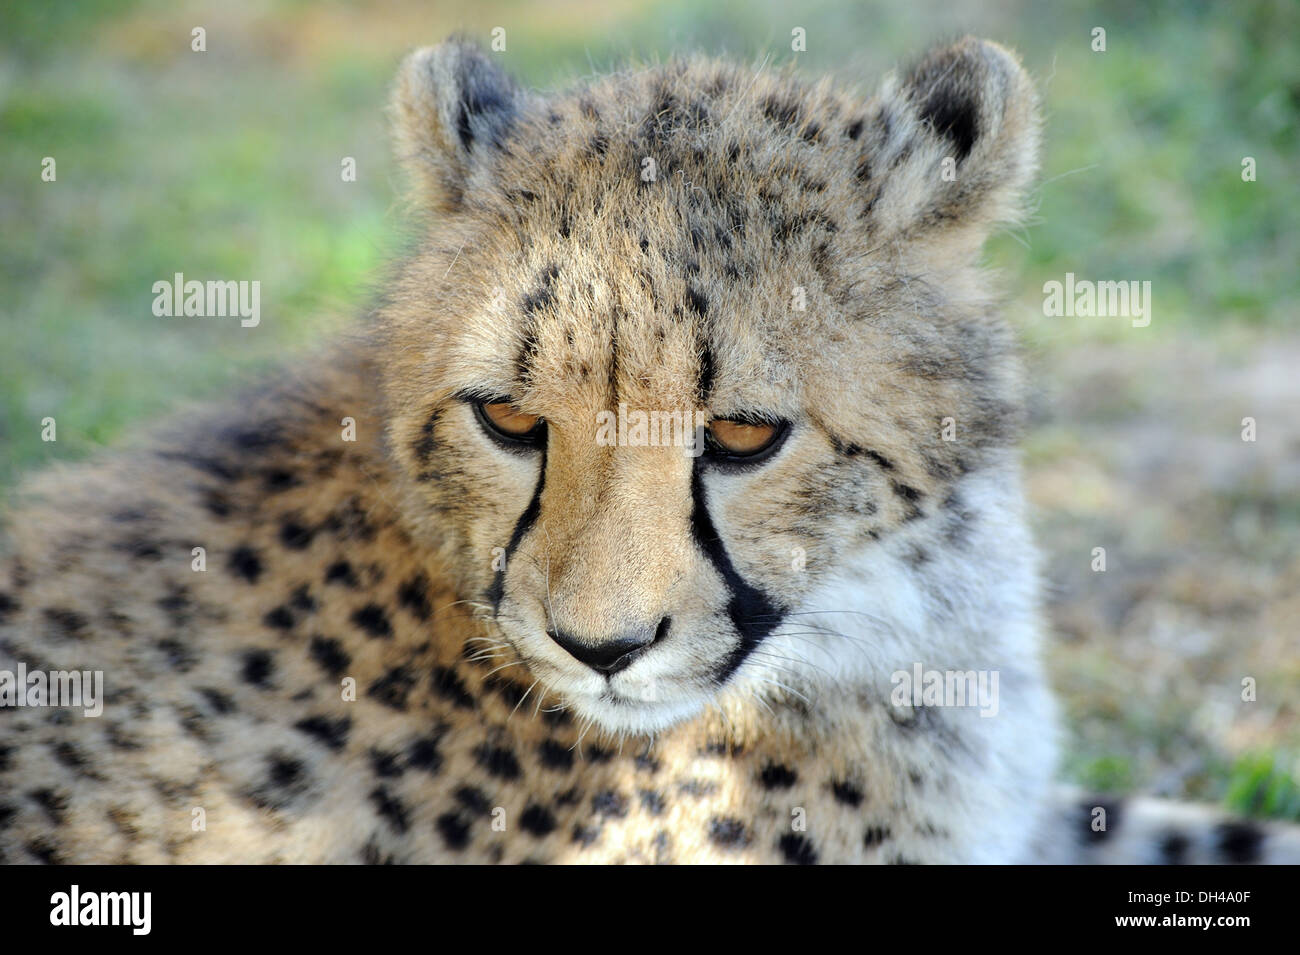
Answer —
679 348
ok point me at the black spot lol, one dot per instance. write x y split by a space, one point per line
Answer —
44 850
424 446
178 655
372 619
258 667
303 600
295 536
777 777
497 760
906 492
69 755
653 802
389 808
508 690
8 605
875 835
697 300
385 764
246 563
285 780
473 800
275 480
543 294
704 387
454 830
216 503
728 832
555 755
333 733
341 572
423 754
330 655
392 688
66 623
121 738
140 548
854 129
372 855
1239 842
220 702
448 685
798 850
414 596
1173 848
281 618
54 803
647 763
537 820
847 793
782 110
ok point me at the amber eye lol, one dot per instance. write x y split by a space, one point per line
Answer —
743 439
501 419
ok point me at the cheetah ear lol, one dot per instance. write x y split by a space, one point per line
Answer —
451 108
954 146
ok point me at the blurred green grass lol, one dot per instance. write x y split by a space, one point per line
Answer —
225 164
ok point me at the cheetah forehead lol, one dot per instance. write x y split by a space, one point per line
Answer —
700 222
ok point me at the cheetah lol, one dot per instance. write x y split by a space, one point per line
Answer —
408 602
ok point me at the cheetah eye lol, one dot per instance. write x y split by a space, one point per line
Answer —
506 423
750 441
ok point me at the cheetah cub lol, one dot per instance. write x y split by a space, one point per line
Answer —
667 510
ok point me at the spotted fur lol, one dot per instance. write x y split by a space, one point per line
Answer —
797 255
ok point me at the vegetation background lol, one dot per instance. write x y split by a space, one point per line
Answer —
225 164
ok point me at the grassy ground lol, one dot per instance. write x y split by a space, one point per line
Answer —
226 163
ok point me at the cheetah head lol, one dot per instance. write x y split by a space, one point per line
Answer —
671 365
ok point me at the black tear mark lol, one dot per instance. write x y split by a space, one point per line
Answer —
753 613
526 520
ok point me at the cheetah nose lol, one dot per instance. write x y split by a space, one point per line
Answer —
610 656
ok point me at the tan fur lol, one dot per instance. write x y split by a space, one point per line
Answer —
423 564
